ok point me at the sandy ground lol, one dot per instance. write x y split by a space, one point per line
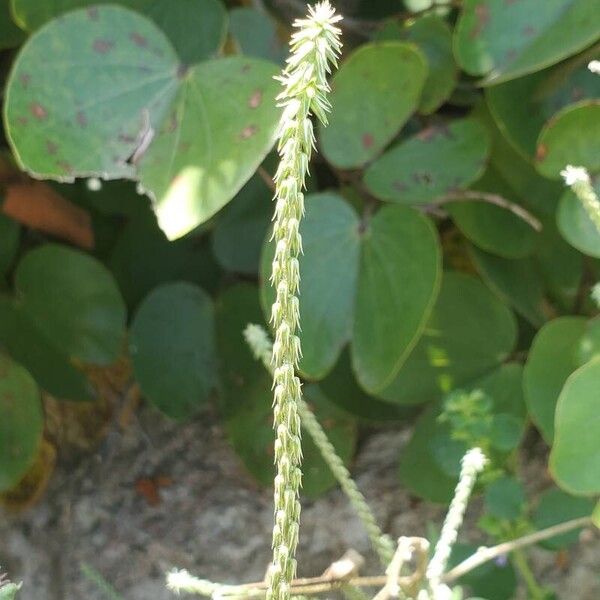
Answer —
212 519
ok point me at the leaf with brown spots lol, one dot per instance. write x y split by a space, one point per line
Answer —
179 129
504 40
37 205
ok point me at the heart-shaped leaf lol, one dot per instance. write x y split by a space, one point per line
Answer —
440 159
551 359
504 42
173 348
398 282
328 275
374 92
196 28
178 124
74 301
468 334
572 137
540 96
575 224
575 455
21 424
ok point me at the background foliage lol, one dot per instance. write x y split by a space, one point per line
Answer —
446 271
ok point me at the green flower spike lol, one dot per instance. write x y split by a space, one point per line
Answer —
314 47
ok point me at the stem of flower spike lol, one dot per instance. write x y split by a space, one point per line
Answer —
314 47
260 344
578 179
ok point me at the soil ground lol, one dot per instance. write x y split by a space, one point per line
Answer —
211 518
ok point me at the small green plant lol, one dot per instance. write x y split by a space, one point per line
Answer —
445 266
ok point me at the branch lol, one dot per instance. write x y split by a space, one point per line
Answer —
327 583
495 199
483 554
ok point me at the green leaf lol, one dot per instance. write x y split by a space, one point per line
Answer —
540 95
398 282
247 398
551 359
22 422
374 92
173 348
439 160
241 228
62 123
517 282
341 387
10 35
74 301
9 242
419 471
217 133
575 455
328 272
490 227
41 356
196 28
555 507
534 191
571 137
506 42
433 37
255 34
142 258
505 498
468 334
575 225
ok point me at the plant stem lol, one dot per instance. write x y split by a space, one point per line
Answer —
314 47
259 343
316 585
519 560
483 554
